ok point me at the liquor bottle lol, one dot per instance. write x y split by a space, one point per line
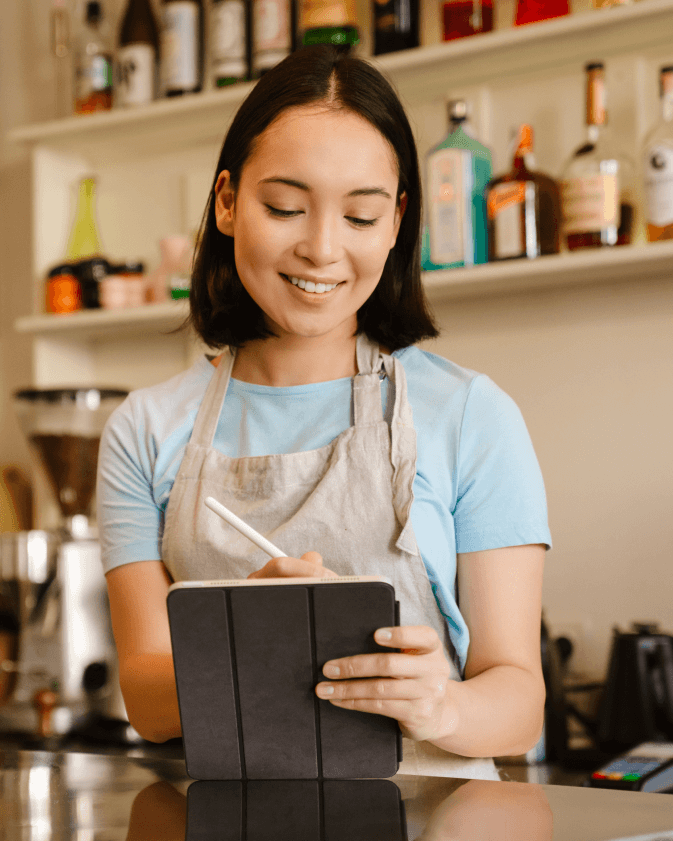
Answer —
137 54
230 25
457 171
523 207
657 159
395 25
271 34
93 69
597 182
329 22
181 46
466 17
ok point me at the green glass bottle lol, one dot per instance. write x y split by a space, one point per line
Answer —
84 240
457 170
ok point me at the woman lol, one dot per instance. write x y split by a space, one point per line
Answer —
307 274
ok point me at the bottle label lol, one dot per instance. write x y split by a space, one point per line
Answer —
450 219
505 212
590 203
134 75
94 77
659 185
271 32
228 39
180 46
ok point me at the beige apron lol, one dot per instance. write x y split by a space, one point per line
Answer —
350 501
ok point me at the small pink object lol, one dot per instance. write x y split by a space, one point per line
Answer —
176 252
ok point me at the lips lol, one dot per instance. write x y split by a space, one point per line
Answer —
311 288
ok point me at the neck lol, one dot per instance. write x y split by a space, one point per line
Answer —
297 360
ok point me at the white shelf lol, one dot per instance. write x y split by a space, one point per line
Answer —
421 74
589 267
85 324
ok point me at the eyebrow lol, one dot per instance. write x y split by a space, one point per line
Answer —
362 191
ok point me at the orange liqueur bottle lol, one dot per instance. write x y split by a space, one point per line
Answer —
523 206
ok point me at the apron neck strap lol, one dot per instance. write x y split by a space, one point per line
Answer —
209 413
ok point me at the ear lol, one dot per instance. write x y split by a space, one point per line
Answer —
224 203
399 213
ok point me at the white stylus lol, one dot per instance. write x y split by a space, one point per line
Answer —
244 528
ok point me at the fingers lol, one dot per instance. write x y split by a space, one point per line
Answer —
377 689
308 566
412 639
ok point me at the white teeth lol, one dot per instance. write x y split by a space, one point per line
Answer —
310 286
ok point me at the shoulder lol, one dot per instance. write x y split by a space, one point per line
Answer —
157 411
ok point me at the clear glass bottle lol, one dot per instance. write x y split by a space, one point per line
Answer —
137 55
93 64
657 161
457 171
523 207
229 35
84 240
597 182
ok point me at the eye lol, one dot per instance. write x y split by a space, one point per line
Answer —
362 223
282 214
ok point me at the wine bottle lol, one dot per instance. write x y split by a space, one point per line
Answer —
523 207
137 52
329 22
230 24
271 34
395 25
181 47
93 69
657 158
597 182
457 171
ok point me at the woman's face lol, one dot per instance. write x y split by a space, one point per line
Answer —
316 203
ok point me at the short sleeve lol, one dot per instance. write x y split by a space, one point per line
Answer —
129 520
501 498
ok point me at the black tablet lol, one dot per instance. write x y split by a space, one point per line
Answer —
248 655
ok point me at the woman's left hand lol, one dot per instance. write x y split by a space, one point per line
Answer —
413 685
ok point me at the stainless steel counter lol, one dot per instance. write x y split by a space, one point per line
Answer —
56 795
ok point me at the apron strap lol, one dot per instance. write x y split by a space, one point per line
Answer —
208 415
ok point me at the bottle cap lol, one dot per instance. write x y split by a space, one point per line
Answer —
62 269
457 109
594 65
131 268
93 11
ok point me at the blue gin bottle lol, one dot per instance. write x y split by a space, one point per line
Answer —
457 170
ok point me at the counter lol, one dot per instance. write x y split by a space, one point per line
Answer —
57 795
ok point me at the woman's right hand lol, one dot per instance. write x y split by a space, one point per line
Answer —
308 566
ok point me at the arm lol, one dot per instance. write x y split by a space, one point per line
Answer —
500 704
137 594
498 709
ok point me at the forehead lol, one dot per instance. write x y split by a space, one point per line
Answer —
326 142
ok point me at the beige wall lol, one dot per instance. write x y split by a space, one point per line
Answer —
589 367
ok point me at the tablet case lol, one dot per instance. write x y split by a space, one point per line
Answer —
295 810
247 660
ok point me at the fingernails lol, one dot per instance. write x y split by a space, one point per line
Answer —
324 689
331 671
383 634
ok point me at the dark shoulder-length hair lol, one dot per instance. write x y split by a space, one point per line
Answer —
396 314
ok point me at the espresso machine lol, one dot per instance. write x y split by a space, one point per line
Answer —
58 662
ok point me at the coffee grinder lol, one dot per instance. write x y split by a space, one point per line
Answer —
59 671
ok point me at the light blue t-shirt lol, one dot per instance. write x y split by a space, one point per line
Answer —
478 482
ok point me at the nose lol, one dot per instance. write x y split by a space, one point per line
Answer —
321 241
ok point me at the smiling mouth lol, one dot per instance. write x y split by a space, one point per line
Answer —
310 287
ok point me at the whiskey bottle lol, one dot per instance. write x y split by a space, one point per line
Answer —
457 171
657 160
523 208
597 182
137 54
395 25
93 70
181 47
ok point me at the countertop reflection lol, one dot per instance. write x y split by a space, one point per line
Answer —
54 795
